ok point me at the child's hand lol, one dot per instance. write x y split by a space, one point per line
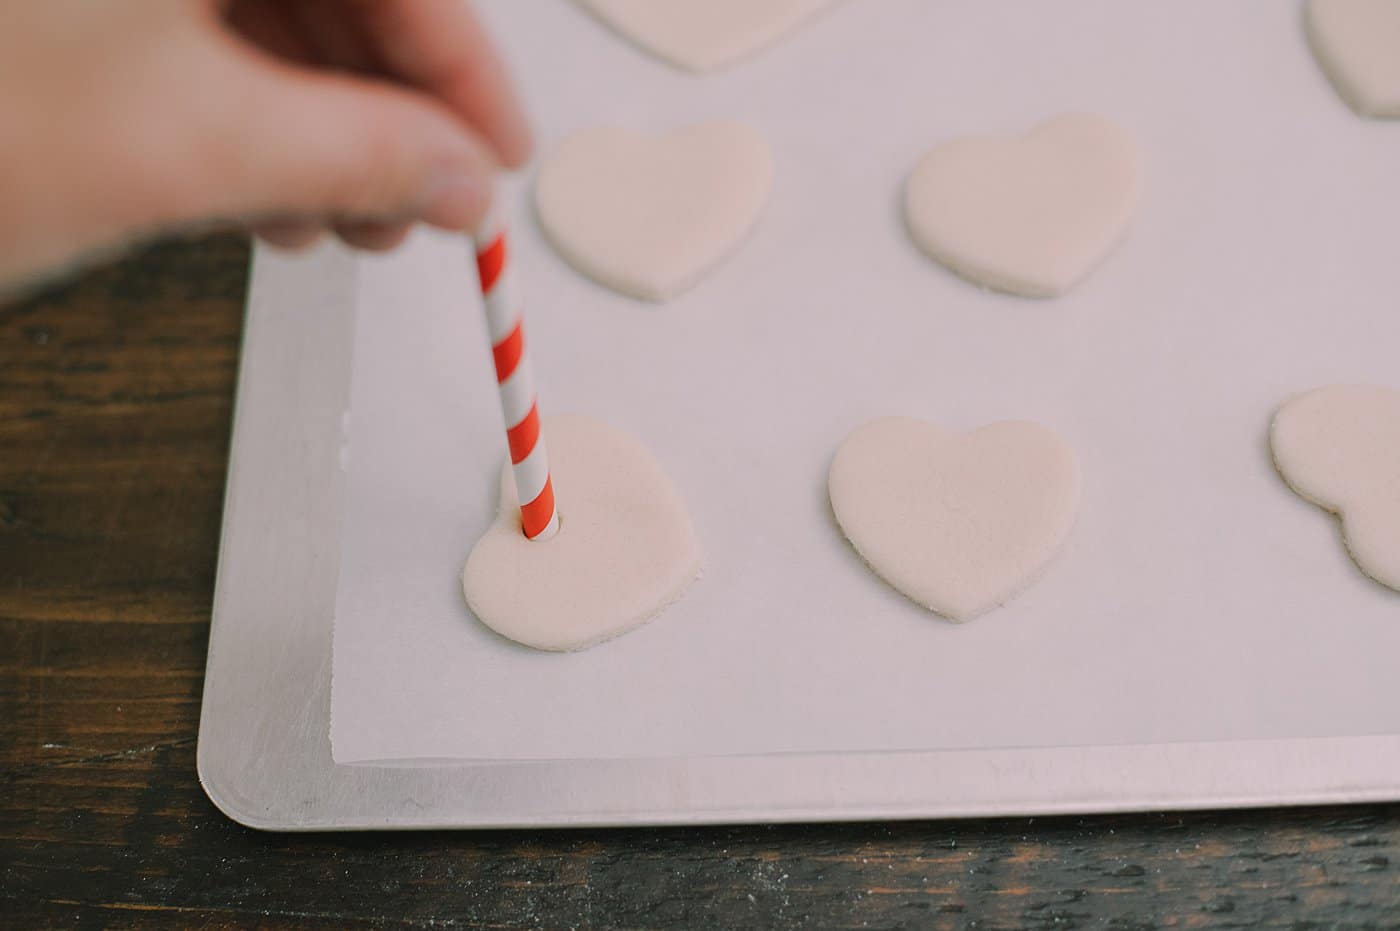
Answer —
119 118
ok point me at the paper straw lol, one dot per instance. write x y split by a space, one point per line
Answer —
515 380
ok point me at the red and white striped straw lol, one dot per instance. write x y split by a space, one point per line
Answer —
516 381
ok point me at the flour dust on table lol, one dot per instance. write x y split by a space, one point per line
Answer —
624 551
1357 42
702 35
1029 215
649 215
1339 447
959 524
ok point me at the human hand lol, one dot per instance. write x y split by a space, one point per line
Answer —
122 118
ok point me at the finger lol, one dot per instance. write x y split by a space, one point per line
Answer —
371 235
441 46
296 142
290 235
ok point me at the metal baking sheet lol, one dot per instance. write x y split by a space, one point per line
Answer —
1256 269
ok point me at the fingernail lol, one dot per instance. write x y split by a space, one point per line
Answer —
456 201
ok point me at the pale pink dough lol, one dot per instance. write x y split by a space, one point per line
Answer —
958 523
650 215
1357 43
624 551
1339 447
1029 215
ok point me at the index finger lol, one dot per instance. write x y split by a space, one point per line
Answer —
442 47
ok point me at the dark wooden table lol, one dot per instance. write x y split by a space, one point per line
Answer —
115 397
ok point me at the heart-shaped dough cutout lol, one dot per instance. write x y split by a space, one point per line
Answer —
649 215
1339 447
1029 215
702 35
1357 43
959 524
624 551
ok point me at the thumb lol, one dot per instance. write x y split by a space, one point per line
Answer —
325 145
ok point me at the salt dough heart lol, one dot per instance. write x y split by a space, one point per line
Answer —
1357 43
959 524
624 551
1339 447
1029 215
702 35
648 216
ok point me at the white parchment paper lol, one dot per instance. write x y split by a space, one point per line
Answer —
1197 598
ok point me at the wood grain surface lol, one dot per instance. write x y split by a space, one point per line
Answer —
115 398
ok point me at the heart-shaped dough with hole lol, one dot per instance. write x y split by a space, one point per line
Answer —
650 215
1339 447
1029 215
702 35
1357 42
958 523
624 551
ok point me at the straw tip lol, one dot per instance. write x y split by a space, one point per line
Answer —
550 529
